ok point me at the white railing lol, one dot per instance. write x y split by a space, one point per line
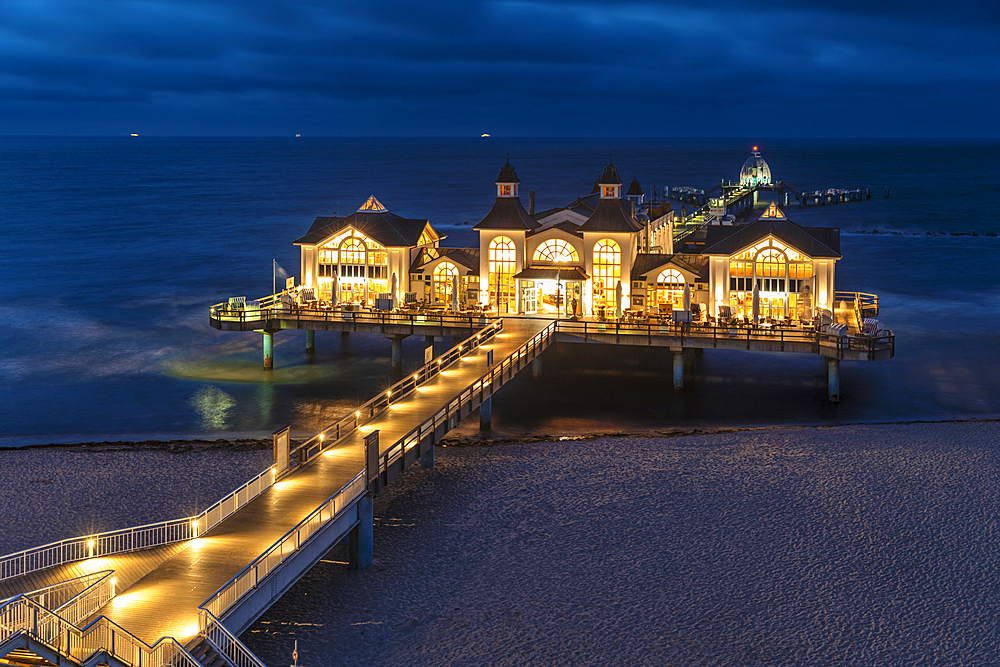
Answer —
132 539
248 578
226 643
330 435
25 616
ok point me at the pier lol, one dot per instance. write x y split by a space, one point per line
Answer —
180 592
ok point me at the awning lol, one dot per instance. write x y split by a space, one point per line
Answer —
565 274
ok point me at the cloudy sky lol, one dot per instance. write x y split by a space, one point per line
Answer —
507 67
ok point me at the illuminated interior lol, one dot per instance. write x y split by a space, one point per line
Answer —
358 265
783 278
444 275
503 265
670 291
607 272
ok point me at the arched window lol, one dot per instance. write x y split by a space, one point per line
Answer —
670 290
444 275
769 270
607 272
503 265
556 250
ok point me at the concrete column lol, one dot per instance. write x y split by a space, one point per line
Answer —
427 458
486 416
268 350
310 342
360 541
345 334
536 367
833 380
678 370
397 356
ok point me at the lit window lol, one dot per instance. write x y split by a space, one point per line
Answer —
607 272
503 263
556 250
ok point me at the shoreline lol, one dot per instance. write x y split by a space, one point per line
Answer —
188 445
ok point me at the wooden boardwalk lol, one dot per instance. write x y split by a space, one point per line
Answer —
165 601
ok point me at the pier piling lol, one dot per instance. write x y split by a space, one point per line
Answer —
678 369
427 458
268 351
310 342
833 380
486 416
360 541
536 367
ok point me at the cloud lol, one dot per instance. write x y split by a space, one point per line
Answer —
398 68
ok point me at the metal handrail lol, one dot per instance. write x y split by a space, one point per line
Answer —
225 642
269 308
137 537
249 577
25 616
381 402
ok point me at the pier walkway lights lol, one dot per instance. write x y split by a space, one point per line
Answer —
90 548
194 528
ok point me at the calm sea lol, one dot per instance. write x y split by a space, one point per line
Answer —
114 249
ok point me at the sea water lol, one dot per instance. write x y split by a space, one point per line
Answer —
114 248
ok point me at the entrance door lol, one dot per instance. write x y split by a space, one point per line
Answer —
529 296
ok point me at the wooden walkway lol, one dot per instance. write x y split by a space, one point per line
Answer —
165 601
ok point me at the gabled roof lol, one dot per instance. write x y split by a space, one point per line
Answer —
382 226
507 213
467 257
610 216
811 241
565 225
646 263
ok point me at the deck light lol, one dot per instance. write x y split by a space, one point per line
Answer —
321 436
194 527
90 548
357 414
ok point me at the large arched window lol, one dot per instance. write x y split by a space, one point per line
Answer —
607 272
670 290
558 251
444 275
503 265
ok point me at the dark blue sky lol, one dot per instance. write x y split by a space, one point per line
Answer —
510 68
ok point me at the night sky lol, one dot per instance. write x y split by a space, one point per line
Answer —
509 68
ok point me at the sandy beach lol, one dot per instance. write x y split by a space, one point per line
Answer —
70 490
851 545
858 545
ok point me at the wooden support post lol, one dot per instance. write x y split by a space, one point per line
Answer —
310 342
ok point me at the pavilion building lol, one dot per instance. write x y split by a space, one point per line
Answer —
599 254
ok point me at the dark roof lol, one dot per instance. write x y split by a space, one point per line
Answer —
654 262
610 216
566 273
467 257
634 190
387 228
610 176
507 213
507 174
565 225
812 241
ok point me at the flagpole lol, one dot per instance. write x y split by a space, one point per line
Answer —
274 277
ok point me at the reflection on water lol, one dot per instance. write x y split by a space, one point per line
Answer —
214 407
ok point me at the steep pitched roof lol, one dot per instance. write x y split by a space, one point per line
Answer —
813 241
634 189
610 176
507 213
387 228
507 174
565 225
610 216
